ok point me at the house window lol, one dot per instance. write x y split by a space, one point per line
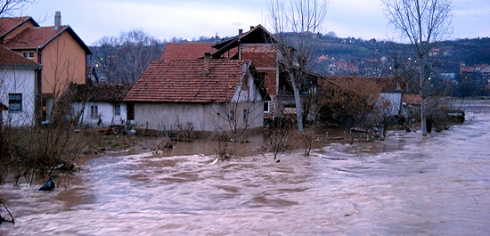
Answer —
94 112
245 115
15 102
28 55
232 115
267 107
117 110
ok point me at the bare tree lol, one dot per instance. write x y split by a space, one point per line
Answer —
422 22
301 20
123 59
8 7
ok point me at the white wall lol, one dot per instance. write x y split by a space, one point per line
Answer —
395 100
18 81
106 112
203 117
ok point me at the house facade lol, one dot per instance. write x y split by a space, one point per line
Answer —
62 54
206 94
99 105
18 87
259 46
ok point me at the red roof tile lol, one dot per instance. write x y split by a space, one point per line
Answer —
187 81
186 50
11 58
7 24
34 37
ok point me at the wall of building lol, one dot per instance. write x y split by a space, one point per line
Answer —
64 61
21 81
106 113
395 102
203 117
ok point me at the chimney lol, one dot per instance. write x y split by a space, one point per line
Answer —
240 31
251 27
57 20
207 62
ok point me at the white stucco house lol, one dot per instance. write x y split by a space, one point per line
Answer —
18 88
207 94
99 105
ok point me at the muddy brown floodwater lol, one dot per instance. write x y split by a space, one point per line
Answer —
405 185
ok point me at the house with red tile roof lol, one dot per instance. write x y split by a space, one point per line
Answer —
206 93
260 46
60 51
19 87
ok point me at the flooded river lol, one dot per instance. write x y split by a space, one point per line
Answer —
405 185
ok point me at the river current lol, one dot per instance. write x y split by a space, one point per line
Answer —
405 185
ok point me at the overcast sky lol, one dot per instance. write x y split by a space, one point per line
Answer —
190 19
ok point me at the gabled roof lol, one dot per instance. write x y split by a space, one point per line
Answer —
186 50
387 84
188 81
9 58
7 24
99 93
257 34
39 37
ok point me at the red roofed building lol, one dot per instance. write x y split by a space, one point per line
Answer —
209 94
62 54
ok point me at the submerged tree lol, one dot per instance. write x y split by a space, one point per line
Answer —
301 19
422 22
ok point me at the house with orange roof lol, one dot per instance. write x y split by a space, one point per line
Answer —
206 94
18 87
60 51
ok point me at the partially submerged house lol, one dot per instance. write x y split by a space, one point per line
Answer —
18 87
261 47
205 95
60 51
99 105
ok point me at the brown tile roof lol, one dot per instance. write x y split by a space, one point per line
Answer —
186 50
9 58
387 84
39 37
34 37
7 24
187 81
99 93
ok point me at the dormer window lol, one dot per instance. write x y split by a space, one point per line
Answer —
28 55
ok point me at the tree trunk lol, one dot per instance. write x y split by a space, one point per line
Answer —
297 100
423 116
